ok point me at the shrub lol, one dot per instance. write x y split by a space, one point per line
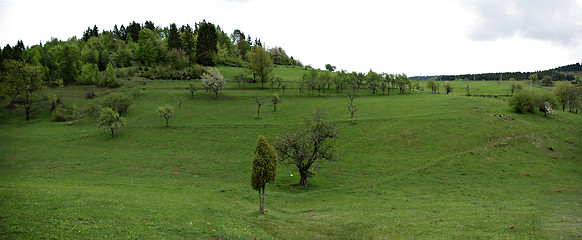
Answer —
118 102
522 102
545 103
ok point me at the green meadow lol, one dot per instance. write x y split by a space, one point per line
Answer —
413 166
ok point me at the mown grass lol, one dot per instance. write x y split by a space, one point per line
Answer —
414 165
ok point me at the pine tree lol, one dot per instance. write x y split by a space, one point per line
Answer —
174 38
206 44
264 168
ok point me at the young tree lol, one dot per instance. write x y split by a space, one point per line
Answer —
275 100
264 169
467 88
303 147
448 88
432 85
213 80
110 119
23 83
166 112
259 101
260 63
351 107
112 81
192 89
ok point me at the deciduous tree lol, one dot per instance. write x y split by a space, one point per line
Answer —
110 119
303 147
166 112
260 63
23 83
213 80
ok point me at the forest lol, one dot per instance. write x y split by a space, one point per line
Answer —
142 50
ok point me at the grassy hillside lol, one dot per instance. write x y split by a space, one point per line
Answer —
413 166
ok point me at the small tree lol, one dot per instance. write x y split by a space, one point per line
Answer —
303 147
259 101
166 112
192 89
264 169
351 107
448 88
112 77
467 88
275 100
545 103
109 118
213 80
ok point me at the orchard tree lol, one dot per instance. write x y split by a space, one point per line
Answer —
213 80
275 100
259 101
303 147
260 63
166 112
264 169
351 107
110 119
23 83
192 89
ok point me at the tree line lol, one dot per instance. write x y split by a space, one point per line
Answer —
143 50
554 74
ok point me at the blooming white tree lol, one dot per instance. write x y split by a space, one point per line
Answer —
213 80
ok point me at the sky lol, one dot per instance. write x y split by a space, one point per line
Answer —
416 37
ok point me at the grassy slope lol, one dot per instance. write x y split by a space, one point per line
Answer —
428 166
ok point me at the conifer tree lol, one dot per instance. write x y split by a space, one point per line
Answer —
264 169
206 44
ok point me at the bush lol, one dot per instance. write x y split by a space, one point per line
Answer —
522 102
545 103
118 102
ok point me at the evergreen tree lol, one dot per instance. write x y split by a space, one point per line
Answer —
174 38
188 42
150 25
264 169
206 44
132 31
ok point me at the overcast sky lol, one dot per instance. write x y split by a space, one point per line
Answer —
414 36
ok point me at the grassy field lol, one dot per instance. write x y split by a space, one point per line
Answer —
414 165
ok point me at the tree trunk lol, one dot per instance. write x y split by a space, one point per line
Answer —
262 208
259 113
112 132
27 109
167 122
303 181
